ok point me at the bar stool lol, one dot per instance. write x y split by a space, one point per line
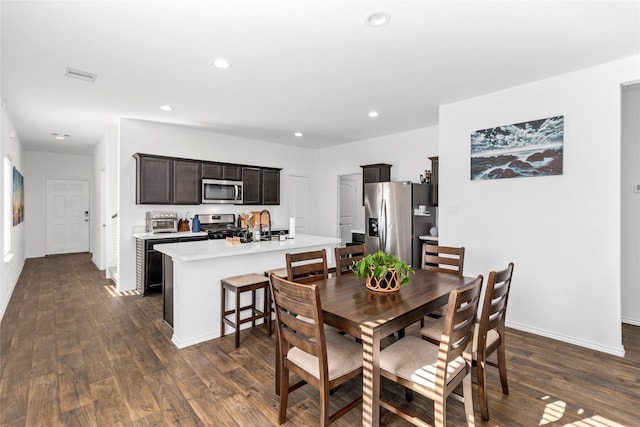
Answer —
239 285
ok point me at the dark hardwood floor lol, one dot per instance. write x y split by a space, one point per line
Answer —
72 354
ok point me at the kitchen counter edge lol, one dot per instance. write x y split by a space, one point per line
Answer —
211 249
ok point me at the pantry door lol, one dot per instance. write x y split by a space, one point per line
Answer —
67 217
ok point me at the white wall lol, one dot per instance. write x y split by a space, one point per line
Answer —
562 232
104 184
194 143
408 152
631 204
10 266
40 166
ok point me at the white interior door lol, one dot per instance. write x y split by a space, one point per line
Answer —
347 206
299 202
67 216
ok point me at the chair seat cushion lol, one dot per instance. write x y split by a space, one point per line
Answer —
343 356
416 360
433 329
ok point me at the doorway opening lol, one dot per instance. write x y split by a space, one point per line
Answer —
350 209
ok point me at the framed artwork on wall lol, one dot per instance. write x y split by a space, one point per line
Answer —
18 197
533 148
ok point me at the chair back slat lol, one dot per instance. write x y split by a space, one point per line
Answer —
494 305
291 300
459 321
444 259
345 257
307 267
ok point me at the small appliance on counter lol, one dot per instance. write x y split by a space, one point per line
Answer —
162 222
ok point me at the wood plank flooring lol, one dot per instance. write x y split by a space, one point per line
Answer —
72 354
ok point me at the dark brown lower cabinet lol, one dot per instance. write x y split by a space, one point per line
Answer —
149 276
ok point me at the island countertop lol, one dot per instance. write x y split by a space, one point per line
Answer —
210 249
192 272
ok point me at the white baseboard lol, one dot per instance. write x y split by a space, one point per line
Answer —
568 339
630 321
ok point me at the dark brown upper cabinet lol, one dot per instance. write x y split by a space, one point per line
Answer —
252 186
379 172
270 186
434 180
162 180
212 170
153 179
186 189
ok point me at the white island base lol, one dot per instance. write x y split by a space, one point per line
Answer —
198 267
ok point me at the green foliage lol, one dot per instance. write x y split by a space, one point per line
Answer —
379 263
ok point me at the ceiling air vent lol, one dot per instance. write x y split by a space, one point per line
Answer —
81 75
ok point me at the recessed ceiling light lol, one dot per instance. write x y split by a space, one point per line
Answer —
373 114
298 134
60 136
377 19
221 63
166 107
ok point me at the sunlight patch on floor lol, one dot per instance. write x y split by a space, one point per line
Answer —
554 411
114 293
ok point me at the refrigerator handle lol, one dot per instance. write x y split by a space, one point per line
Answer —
382 227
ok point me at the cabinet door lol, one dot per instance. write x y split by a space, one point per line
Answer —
186 182
212 170
232 172
270 187
153 180
380 172
252 186
153 267
434 180
154 272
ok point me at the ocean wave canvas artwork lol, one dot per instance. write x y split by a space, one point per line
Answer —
525 149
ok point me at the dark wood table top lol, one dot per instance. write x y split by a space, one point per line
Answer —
348 305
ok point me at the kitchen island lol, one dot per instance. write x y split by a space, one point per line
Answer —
193 270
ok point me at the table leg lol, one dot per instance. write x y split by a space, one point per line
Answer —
370 377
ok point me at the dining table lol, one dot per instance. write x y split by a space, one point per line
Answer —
349 306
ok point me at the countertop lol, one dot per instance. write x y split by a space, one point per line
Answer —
149 236
433 238
210 249
358 231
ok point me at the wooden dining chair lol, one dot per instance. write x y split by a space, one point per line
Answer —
345 257
436 371
489 334
446 259
307 267
323 359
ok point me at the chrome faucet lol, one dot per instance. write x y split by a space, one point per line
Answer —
269 216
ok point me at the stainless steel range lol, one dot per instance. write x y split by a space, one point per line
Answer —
219 226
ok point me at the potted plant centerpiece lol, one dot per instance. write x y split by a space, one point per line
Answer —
383 272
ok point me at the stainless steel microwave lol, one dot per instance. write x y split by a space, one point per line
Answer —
221 191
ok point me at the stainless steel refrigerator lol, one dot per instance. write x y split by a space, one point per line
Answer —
391 221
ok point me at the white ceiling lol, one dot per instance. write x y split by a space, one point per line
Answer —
308 66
